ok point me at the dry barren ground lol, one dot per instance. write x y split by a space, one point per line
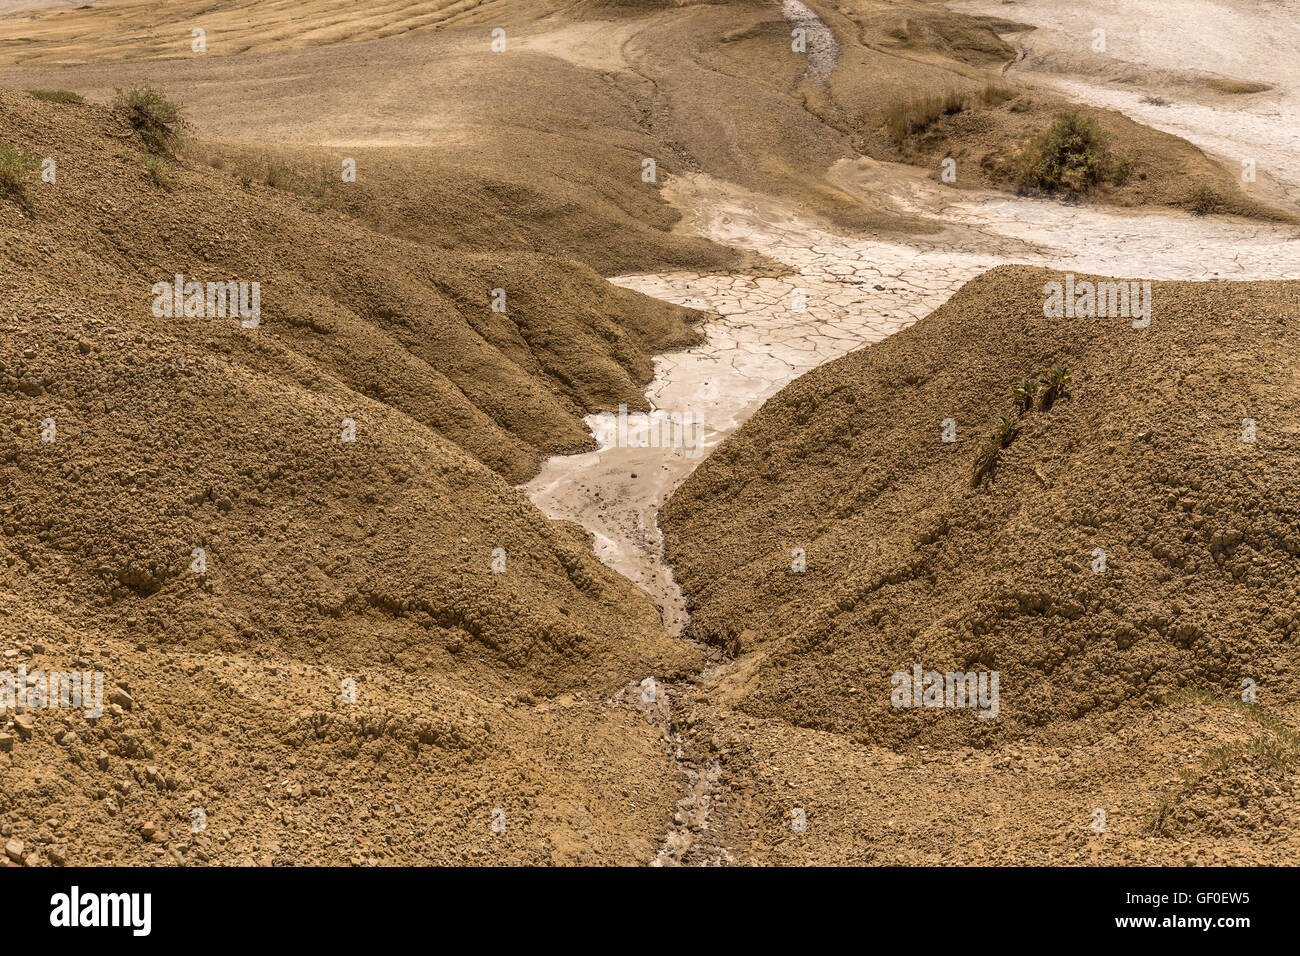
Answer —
313 558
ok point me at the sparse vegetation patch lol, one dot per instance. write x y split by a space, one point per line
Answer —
57 96
160 122
1070 157
17 167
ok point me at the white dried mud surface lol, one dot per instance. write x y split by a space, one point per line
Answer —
855 290
1159 57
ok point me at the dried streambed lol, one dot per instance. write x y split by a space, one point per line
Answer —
844 292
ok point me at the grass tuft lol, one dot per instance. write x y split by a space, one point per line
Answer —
909 117
17 167
994 95
58 96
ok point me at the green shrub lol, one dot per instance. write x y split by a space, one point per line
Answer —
1070 157
160 122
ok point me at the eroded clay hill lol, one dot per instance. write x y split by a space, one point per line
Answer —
177 432
909 561
370 560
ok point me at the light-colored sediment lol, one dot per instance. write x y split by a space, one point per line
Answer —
822 49
856 291
1156 66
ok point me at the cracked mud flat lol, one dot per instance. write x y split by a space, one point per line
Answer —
853 291
1168 51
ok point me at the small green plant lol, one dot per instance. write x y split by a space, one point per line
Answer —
1070 157
1004 432
985 462
160 122
58 96
17 167
1023 394
1058 378
159 171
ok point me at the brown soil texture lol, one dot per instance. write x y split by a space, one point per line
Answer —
907 563
1120 692
398 322
1179 785
350 681
558 125
369 561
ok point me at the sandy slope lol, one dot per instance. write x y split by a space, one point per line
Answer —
369 561
907 564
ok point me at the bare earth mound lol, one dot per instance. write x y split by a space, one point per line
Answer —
1142 457
181 509
1117 680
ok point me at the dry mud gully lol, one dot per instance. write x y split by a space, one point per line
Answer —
843 292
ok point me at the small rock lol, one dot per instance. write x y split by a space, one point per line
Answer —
149 831
24 724
6 743
121 698
14 850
